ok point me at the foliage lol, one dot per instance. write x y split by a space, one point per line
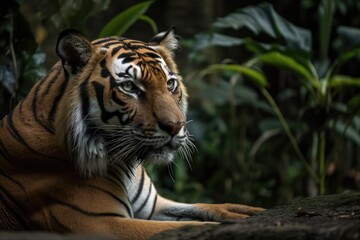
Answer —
20 57
69 13
121 22
316 108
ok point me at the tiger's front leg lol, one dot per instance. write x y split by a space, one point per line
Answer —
147 204
226 212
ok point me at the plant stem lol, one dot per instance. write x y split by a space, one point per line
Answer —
321 155
289 134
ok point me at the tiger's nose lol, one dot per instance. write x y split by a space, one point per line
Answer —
172 128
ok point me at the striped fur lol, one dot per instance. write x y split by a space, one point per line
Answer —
71 152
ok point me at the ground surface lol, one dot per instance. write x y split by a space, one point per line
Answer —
323 217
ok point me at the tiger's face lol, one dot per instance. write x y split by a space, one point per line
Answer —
143 116
128 102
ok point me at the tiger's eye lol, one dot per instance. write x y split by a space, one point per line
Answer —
171 84
128 86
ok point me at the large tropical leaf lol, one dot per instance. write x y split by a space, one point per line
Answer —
345 130
121 22
256 77
204 40
280 60
339 81
350 36
264 19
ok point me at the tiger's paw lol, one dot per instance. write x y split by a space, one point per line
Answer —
227 212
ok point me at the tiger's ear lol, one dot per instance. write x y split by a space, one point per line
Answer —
166 39
73 49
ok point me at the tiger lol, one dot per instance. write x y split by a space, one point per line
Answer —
72 152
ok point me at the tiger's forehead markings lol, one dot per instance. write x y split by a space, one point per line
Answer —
130 56
134 60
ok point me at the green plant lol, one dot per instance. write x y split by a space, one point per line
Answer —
20 57
118 25
327 110
68 13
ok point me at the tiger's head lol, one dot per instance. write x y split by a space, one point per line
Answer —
126 101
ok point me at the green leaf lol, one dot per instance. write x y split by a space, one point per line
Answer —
348 55
261 48
264 19
280 60
204 40
350 36
256 77
346 131
326 15
151 22
354 103
339 81
121 22
342 59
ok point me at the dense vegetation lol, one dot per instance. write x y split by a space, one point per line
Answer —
275 104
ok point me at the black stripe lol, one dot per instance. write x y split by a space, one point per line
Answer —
104 40
128 210
12 180
15 134
105 115
130 168
87 213
152 55
104 71
145 74
153 207
111 43
126 172
34 107
57 222
56 101
123 75
138 193
21 112
127 70
116 99
118 173
4 153
115 50
15 208
84 98
146 200
127 60
127 55
53 79
140 45
115 173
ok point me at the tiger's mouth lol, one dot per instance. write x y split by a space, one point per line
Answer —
164 154
133 146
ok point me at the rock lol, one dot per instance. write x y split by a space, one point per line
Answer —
322 217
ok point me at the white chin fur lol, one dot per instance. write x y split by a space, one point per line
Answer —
160 158
88 152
